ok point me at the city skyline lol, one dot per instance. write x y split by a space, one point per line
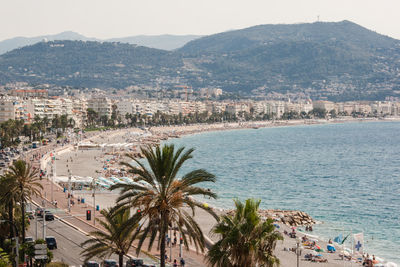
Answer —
103 19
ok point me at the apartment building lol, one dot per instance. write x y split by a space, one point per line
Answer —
30 93
102 105
13 108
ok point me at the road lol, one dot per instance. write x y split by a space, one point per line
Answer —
68 239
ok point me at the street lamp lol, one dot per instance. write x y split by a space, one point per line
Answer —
298 250
94 199
69 190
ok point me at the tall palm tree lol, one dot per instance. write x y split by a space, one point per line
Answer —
245 240
161 196
117 238
8 197
25 184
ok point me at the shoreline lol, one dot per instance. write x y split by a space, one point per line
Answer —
165 133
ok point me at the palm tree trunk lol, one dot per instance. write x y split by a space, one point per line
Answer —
23 219
121 260
11 218
163 232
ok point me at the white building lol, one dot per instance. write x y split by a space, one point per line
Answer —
102 105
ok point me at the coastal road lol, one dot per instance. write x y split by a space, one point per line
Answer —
68 238
68 241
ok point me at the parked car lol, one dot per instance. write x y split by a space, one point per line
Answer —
110 263
134 263
90 264
49 216
51 242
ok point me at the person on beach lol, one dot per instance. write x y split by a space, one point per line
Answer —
182 262
175 263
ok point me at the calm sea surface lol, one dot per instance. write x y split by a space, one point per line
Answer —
345 175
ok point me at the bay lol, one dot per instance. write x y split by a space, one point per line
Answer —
345 175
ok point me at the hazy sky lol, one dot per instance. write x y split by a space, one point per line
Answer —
120 18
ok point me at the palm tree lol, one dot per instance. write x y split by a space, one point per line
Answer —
245 240
117 238
161 196
71 123
25 183
8 197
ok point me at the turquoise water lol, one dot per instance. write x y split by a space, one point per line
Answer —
345 175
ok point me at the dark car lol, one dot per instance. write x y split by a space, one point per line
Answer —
51 242
49 216
90 264
110 263
134 263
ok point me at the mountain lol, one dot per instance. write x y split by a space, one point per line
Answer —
18 42
337 60
165 42
264 35
331 60
87 63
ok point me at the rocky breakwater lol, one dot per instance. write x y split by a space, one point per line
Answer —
288 217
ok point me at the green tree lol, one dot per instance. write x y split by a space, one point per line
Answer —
4 259
117 238
25 184
245 240
160 196
8 198
92 116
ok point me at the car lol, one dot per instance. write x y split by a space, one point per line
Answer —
90 264
49 216
134 263
51 242
39 212
29 239
110 263
2 164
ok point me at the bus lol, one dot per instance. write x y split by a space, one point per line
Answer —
35 144
45 142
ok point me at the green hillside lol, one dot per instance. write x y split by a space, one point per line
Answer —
338 61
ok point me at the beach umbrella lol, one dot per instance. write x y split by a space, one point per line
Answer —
391 264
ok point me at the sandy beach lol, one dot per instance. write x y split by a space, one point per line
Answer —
105 161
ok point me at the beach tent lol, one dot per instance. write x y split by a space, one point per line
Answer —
331 248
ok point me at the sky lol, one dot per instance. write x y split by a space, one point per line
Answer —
120 18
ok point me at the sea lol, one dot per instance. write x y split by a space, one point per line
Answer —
345 175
